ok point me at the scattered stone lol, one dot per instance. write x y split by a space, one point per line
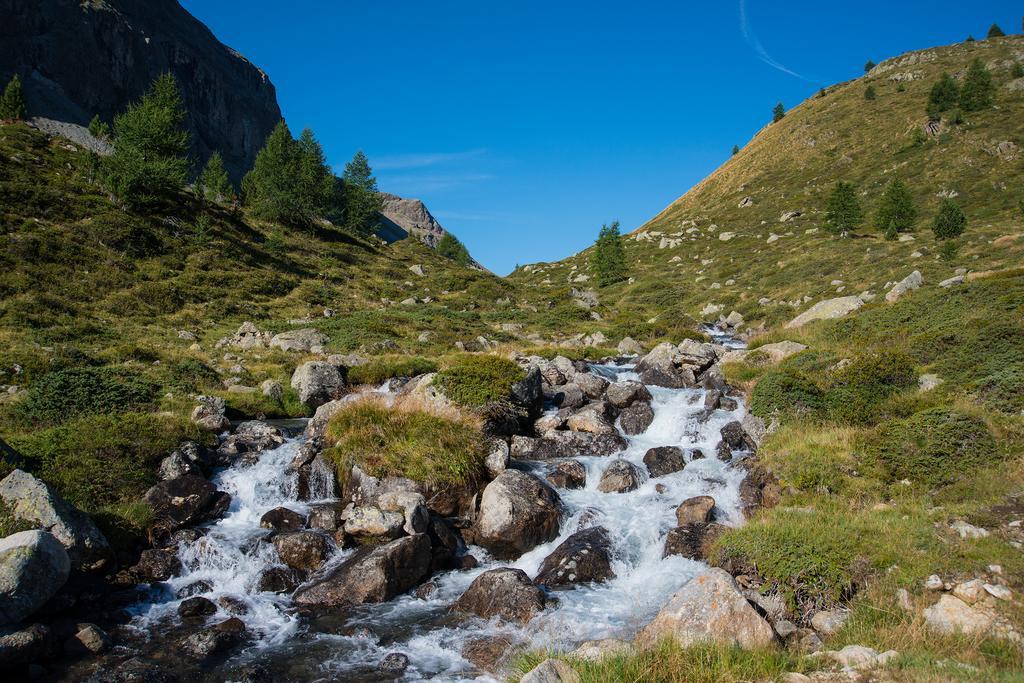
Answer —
630 347
568 474
551 671
953 281
928 382
507 594
596 650
619 477
968 531
664 460
394 663
907 284
951 615
934 583
696 510
999 592
828 622
858 657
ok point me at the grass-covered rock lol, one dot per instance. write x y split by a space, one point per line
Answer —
386 367
474 381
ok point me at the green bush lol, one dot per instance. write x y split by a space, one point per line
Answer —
788 393
935 447
402 442
381 369
65 394
1004 389
859 390
192 375
476 380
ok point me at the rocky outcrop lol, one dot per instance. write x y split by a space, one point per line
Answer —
517 512
33 501
507 594
676 367
402 218
33 566
584 557
307 340
78 59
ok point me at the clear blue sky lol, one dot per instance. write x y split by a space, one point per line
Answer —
525 125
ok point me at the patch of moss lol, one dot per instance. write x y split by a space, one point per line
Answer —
384 368
474 381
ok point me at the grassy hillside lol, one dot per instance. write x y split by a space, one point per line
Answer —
679 262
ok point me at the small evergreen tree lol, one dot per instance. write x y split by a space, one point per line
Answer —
970 39
99 129
869 65
735 150
315 181
995 32
891 233
1017 71
778 113
897 212
978 88
363 201
608 260
869 93
450 247
151 145
12 102
844 212
950 221
214 183
943 96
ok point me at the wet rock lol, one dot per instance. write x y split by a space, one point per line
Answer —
551 671
370 521
156 564
20 646
444 545
709 608
584 557
371 574
394 663
176 465
89 639
551 422
737 439
636 418
326 517
233 605
568 474
623 394
517 512
566 445
195 608
619 477
317 383
302 550
594 418
217 639
692 541
497 457
488 654
675 367
209 414
194 588
281 519
566 396
664 460
249 438
279 580
696 510
181 502
33 501
507 594
33 566
528 393
593 387
723 452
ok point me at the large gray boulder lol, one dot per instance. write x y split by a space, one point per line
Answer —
827 310
622 394
907 284
566 444
371 574
32 500
676 367
249 439
318 382
506 593
517 512
307 340
620 476
33 566
209 414
709 609
636 418
584 557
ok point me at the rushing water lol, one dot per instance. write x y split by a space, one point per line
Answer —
230 558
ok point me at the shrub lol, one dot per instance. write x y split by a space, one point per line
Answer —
869 93
192 375
859 390
935 447
978 90
65 394
99 128
12 101
1004 389
788 393
381 369
476 380
778 113
214 183
403 442
950 221
450 247
943 96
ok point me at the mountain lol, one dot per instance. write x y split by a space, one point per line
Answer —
752 236
79 59
405 217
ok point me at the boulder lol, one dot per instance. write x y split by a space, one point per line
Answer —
709 609
517 512
528 392
664 367
630 347
278 580
828 622
584 557
827 310
33 501
696 510
907 284
619 477
411 505
307 340
371 521
760 488
596 650
371 574
176 465
566 396
196 607
952 615
636 418
271 388
566 444
664 460
34 565
281 519
21 646
507 594
217 639
317 383
248 336
394 664
551 671
249 438
89 639
497 457
181 502
593 387
156 564
302 550
568 474
692 540
623 394
736 438
209 414
490 653
594 418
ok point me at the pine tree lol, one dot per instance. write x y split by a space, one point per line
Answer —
214 182
778 113
315 181
869 65
950 221
150 147
970 39
1018 70
995 32
978 88
12 102
869 93
943 96
363 202
269 188
450 247
897 212
844 212
608 260
735 150
98 128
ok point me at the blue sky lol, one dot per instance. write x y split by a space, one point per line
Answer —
526 125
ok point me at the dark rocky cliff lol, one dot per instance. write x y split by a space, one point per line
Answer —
80 58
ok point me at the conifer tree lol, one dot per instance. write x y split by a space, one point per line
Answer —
950 221
735 150
12 102
943 96
608 260
98 128
214 182
897 212
978 88
995 32
363 202
151 145
869 65
450 247
778 113
869 93
316 185
844 212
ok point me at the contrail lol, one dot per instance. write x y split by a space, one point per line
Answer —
755 44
